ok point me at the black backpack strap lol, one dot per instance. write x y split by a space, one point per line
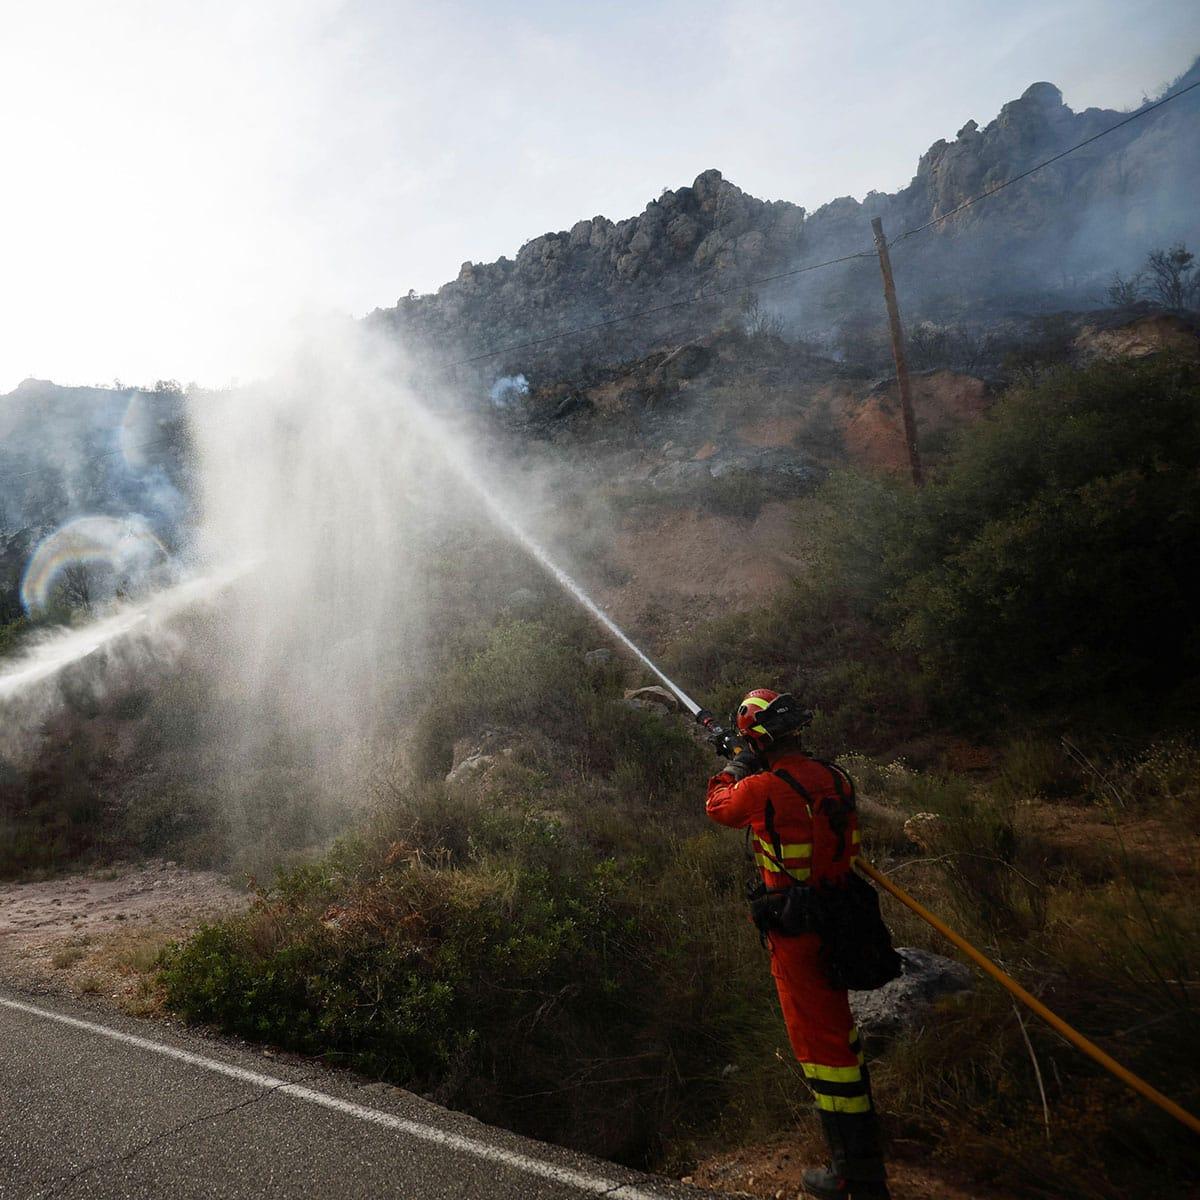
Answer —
796 786
843 783
838 815
773 834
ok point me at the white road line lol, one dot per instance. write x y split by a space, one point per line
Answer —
581 1180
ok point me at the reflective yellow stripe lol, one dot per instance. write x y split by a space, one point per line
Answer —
832 1074
764 852
856 837
787 849
792 852
755 702
843 1104
799 874
797 849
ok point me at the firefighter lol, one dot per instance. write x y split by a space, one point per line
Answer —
804 833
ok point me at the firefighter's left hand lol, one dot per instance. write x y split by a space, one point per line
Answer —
743 760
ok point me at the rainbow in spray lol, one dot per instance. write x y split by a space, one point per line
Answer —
42 660
125 546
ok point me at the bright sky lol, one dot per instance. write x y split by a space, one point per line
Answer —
180 180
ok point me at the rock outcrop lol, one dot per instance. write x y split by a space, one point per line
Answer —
653 698
1145 334
1053 237
906 1002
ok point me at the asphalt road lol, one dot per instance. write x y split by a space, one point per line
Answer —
99 1105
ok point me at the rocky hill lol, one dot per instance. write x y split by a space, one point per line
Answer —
659 405
1049 242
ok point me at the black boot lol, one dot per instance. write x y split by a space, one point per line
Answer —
857 1171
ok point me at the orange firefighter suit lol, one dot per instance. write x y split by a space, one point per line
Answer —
803 831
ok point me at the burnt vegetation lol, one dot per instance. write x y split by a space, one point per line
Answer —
1169 277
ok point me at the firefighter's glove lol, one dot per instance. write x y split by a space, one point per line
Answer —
743 760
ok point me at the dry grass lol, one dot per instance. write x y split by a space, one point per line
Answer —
67 957
1090 905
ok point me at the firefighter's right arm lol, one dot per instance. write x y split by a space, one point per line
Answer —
737 802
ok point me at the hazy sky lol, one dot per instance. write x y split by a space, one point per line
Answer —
180 178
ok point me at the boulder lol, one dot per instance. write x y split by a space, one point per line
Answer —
906 1003
641 241
709 249
682 233
1043 95
707 185
655 698
470 770
474 760
522 600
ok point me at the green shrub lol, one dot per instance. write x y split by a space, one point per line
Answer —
1056 557
1048 569
517 974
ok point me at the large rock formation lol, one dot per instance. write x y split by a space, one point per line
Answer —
1049 239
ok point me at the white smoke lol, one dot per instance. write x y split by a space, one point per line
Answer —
326 497
508 390
324 479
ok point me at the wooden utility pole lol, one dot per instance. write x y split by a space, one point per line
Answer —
906 405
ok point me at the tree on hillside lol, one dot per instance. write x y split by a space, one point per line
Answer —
758 321
1169 277
1174 276
1124 290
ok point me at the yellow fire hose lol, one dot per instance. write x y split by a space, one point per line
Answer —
1032 1002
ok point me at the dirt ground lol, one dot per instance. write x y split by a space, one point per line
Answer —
99 932
699 564
943 400
774 1170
